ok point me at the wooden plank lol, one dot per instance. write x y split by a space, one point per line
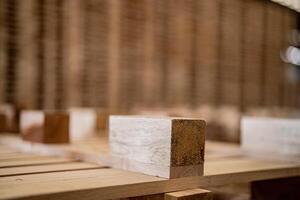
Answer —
14 156
34 160
2 51
112 183
199 194
274 137
165 147
36 169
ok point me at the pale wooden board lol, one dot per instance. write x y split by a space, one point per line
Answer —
275 137
34 160
112 183
159 146
35 169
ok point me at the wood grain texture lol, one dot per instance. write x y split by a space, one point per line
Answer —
34 160
37 169
164 147
199 194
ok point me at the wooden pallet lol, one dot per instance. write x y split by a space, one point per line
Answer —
81 171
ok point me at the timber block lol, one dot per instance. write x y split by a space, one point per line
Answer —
73 125
9 118
102 119
45 126
159 146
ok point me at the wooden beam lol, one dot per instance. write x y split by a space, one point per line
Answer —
165 147
199 194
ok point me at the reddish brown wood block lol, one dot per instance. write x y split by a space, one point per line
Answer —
45 126
102 119
9 118
2 123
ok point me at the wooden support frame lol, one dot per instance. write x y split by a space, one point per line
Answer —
164 147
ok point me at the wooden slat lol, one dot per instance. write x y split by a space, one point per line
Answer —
34 160
14 155
194 194
12 171
112 183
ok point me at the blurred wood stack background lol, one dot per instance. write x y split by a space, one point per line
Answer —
216 59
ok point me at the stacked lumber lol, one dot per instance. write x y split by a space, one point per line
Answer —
2 51
73 51
153 54
132 30
67 178
95 64
11 47
27 60
179 56
230 52
252 77
207 41
53 73
273 64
